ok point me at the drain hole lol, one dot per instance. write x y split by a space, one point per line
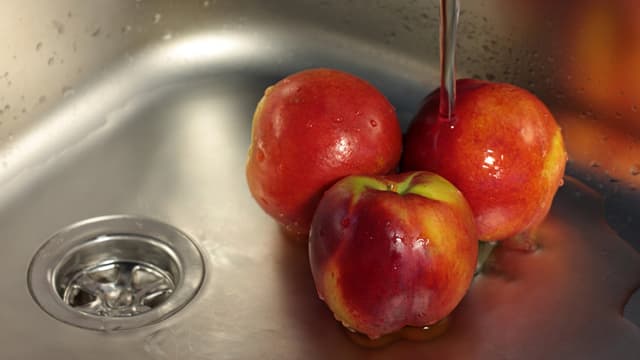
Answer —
154 299
78 297
115 272
105 274
116 289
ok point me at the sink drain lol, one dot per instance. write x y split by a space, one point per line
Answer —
118 289
115 272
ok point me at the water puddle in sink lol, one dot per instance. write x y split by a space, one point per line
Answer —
565 299
580 274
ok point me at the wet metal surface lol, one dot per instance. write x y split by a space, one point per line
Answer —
157 124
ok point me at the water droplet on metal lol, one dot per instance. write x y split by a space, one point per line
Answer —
373 123
96 32
634 170
67 91
156 18
167 36
51 61
39 46
58 26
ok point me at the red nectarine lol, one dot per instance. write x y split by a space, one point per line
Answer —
392 251
312 129
503 150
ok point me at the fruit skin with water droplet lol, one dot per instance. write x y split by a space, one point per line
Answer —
392 251
311 129
503 150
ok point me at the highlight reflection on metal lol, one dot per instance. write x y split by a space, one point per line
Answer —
118 289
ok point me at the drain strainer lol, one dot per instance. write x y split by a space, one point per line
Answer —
117 289
115 272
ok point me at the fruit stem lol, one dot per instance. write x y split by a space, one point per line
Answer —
449 13
402 187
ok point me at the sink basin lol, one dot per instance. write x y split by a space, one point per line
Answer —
144 109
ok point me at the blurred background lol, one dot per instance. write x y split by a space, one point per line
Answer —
582 57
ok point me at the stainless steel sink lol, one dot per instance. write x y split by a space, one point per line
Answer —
144 108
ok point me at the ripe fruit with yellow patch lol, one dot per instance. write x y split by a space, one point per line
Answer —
503 150
392 251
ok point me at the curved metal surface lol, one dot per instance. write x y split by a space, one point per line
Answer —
144 107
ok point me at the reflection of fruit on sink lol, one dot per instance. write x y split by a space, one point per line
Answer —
151 115
363 224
